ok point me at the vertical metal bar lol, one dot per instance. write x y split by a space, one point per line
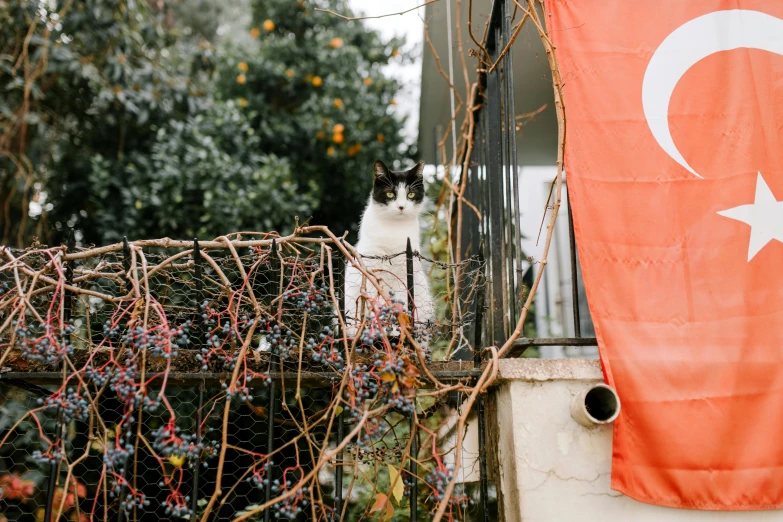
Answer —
413 468
126 260
270 434
482 197
574 275
67 298
53 474
196 471
483 483
508 225
198 273
480 296
514 212
477 346
409 271
338 471
495 196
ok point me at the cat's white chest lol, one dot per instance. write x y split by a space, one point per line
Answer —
382 244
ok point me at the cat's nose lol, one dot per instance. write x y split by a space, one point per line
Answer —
401 208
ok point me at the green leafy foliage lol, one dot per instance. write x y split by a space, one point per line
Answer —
133 118
313 75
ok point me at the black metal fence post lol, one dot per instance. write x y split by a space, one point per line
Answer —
67 298
339 279
495 185
275 275
413 468
477 358
126 263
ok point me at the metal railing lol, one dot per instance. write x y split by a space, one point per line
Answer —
493 186
257 425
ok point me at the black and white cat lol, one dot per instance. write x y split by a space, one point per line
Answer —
390 218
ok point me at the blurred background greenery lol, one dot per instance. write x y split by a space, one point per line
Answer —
189 118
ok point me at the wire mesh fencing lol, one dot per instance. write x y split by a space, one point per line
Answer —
233 380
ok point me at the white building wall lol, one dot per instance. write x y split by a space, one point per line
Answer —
553 469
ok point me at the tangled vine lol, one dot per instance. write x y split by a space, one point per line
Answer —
122 330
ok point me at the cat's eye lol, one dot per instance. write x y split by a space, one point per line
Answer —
390 195
411 195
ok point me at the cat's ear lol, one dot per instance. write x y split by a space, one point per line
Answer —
380 170
418 170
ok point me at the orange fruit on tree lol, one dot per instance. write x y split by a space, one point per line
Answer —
255 32
269 25
320 135
242 66
289 73
338 129
330 151
242 102
368 81
317 81
336 42
338 103
381 137
241 79
338 138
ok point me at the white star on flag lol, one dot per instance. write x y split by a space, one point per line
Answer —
764 215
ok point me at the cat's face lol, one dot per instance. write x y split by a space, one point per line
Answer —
398 194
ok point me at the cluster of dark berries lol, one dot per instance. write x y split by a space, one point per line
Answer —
367 438
100 376
151 404
390 365
116 456
71 405
438 479
159 342
285 346
390 369
370 336
219 336
365 385
46 458
169 440
177 505
312 301
399 401
292 506
43 343
131 501
111 332
123 382
213 340
325 350
241 392
266 379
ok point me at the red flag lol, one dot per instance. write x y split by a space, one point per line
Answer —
674 157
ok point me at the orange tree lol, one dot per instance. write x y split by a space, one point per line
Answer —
319 98
133 118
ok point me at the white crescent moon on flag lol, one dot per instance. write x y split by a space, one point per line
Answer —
690 43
